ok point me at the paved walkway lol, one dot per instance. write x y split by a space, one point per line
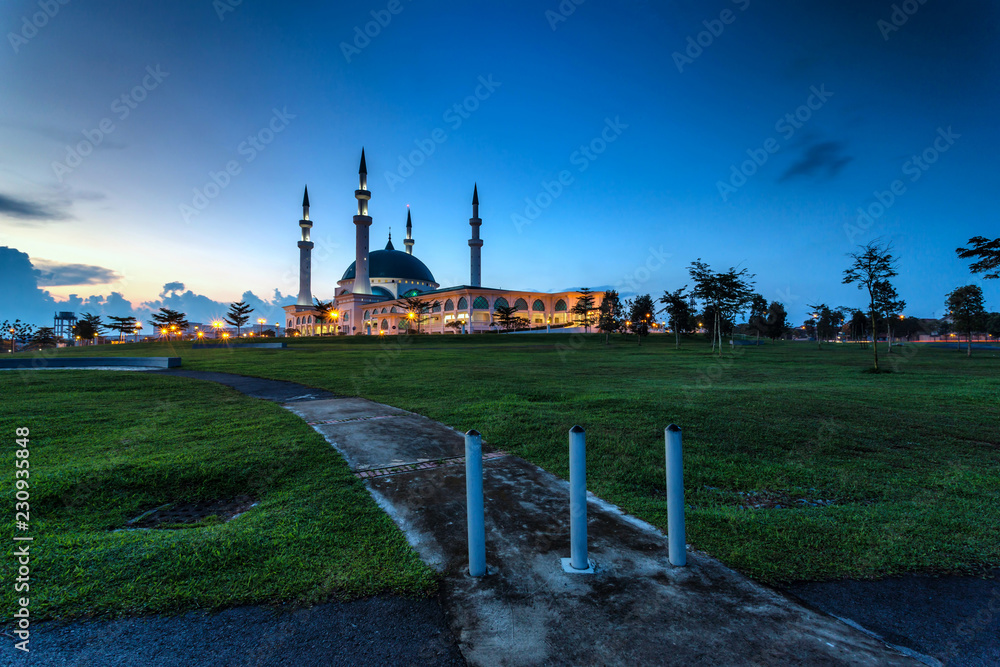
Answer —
636 610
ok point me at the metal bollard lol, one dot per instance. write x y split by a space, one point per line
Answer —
474 503
577 562
675 496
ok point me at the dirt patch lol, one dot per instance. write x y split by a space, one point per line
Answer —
192 515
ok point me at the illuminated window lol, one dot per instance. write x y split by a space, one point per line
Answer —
500 303
481 303
560 305
538 305
463 303
521 304
449 305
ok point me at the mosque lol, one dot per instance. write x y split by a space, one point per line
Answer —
368 299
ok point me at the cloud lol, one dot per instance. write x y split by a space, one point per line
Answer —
171 287
14 207
53 274
819 159
60 135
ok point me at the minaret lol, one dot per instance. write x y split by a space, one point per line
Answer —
305 255
362 221
475 243
408 242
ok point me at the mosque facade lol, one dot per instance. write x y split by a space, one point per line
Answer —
370 297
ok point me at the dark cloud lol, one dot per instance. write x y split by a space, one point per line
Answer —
822 159
28 210
172 287
53 274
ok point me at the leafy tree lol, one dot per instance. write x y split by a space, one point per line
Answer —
507 317
871 268
992 325
43 338
88 327
857 325
641 315
582 308
965 305
676 306
123 325
238 315
610 315
417 308
727 294
827 322
327 311
988 254
170 321
17 331
758 315
889 306
777 320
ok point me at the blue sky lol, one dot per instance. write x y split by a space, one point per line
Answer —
644 108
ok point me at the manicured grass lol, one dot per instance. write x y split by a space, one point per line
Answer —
905 466
105 447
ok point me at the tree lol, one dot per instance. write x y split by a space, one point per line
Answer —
727 293
417 308
871 268
827 322
758 315
88 327
988 254
169 322
507 316
582 308
610 315
889 306
992 325
123 325
965 305
327 311
777 320
43 338
676 306
238 315
641 315
18 331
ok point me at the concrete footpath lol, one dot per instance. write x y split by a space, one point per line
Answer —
635 610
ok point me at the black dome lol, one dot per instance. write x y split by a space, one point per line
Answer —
393 264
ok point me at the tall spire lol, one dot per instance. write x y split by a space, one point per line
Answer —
305 256
362 221
475 243
409 232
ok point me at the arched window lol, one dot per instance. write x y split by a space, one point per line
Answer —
560 305
310 319
385 324
393 309
521 304
367 314
298 320
347 316
413 292
384 311
500 303
449 305
437 308
463 303
480 303
538 305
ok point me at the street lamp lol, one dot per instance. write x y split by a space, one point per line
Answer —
216 325
225 335
12 332
260 325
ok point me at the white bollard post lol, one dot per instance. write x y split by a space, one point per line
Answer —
577 562
474 503
675 497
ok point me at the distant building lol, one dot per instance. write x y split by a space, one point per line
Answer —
367 298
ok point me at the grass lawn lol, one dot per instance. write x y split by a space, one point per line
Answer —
105 447
899 472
